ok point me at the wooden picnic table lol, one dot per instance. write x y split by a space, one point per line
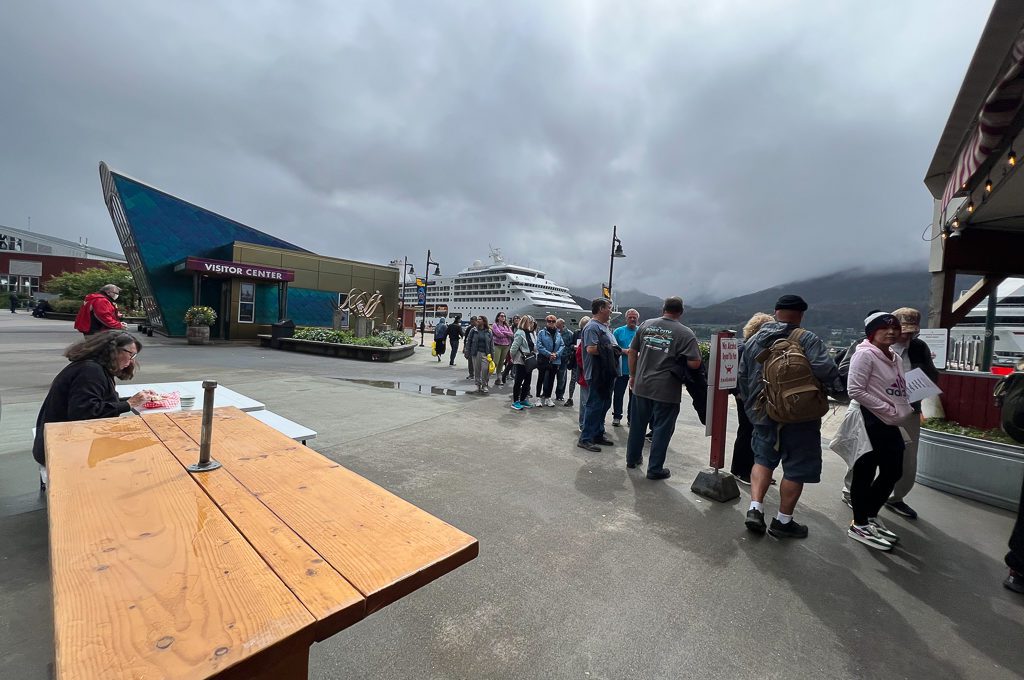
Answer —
231 573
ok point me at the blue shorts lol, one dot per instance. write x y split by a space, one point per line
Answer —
799 450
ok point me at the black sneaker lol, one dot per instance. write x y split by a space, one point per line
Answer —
755 521
604 441
790 529
848 500
649 436
901 508
634 465
589 446
568 402
663 473
1015 582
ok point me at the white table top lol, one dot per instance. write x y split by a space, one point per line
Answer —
289 428
222 396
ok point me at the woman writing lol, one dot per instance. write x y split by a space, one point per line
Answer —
522 351
502 333
84 389
876 382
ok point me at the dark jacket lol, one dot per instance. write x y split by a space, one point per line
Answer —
454 331
82 391
480 341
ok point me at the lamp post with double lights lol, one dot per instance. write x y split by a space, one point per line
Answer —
616 252
426 282
407 268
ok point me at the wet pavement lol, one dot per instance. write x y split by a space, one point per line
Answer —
586 570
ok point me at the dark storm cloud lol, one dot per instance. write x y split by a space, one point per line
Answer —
736 146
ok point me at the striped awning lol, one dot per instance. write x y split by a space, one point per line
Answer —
997 114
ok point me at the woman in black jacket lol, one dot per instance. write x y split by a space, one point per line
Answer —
84 389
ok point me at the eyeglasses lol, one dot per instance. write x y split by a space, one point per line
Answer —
550 320
129 352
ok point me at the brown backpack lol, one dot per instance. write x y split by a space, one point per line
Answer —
791 393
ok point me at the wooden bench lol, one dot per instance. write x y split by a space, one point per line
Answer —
231 573
288 428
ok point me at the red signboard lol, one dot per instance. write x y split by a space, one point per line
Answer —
238 269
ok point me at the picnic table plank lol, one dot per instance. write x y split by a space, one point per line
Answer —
385 546
333 601
150 579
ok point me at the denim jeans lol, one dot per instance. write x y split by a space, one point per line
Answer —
661 416
455 350
598 403
546 380
584 394
560 380
621 384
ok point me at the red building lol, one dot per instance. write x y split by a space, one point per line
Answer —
28 259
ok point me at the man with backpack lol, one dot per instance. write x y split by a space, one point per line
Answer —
784 374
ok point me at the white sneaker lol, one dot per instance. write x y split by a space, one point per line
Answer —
882 530
551 402
617 422
868 536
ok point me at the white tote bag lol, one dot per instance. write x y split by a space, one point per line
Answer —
851 440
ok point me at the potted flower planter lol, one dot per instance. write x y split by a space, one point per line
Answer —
199 319
985 471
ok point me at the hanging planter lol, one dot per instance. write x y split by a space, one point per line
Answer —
199 319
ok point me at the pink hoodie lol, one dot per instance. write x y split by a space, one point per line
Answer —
877 383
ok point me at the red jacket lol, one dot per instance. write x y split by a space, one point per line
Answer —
97 313
579 364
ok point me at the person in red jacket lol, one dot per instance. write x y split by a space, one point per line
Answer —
99 313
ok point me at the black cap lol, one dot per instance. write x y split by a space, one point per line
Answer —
794 302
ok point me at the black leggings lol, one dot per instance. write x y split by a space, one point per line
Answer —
521 384
868 493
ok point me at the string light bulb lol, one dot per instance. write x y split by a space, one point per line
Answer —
970 206
1011 158
988 186
956 223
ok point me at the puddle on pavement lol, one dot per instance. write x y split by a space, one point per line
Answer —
407 387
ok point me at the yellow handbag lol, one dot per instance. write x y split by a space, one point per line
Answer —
491 368
433 348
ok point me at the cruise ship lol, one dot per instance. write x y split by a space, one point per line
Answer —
967 337
492 288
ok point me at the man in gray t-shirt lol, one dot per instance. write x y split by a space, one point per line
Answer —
661 351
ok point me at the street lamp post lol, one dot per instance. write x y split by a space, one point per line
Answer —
426 282
616 252
406 269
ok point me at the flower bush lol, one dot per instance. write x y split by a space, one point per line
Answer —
395 338
338 337
200 316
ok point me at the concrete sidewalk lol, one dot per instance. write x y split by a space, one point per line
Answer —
586 569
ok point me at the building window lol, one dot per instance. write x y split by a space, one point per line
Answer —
246 302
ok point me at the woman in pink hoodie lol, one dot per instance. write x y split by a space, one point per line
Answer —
876 382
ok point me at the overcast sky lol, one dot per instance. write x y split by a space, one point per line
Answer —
736 145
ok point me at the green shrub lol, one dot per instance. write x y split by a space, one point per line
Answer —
394 338
950 427
63 306
338 337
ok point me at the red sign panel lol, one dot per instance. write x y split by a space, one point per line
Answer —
239 269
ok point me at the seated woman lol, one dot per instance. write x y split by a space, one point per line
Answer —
84 389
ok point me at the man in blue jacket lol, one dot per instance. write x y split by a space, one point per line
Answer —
568 358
